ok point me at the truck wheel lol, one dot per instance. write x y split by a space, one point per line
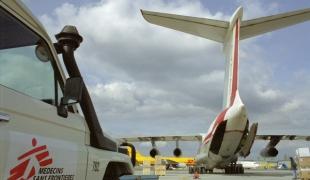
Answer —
111 172
115 170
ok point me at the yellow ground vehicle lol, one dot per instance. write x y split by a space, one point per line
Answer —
42 134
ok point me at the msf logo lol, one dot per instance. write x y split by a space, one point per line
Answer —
30 162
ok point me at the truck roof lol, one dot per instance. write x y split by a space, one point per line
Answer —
24 14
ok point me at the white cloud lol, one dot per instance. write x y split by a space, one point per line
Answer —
269 94
212 77
291 106
116 97
254 9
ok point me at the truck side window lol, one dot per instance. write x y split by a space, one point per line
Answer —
25 64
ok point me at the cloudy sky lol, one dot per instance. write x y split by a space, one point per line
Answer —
148 80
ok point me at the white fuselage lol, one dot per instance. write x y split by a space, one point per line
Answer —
222 143
226 134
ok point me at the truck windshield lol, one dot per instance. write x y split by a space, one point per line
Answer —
20 67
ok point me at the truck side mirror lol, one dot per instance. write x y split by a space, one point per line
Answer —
72 94
72 91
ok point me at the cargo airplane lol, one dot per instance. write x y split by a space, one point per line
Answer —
229 136
174 161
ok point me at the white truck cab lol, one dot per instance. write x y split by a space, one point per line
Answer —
42 134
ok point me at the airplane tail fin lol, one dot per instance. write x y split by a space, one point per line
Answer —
229 34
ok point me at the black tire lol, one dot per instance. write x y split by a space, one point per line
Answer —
112 172
242 170
238 170
232 169
227 170
201 170
115 170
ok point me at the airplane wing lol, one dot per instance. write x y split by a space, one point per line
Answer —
200 136
282 137
162 138
270 149
273 140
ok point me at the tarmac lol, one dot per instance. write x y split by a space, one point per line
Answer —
260 174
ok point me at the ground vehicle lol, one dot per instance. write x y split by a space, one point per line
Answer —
43 136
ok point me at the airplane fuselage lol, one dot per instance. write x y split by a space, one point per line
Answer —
225 137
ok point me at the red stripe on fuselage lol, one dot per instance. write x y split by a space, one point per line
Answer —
219 119
234 85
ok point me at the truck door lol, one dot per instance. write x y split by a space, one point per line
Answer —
35 143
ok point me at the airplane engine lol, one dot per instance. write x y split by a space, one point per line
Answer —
154 152
177 152
269 152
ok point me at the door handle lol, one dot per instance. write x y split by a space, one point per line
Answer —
4 117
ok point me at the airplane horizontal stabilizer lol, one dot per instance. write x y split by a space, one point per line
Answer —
216 30
254 27
207 28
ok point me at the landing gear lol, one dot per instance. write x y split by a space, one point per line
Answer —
191 170
194 169
234 168
203 170
199 170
